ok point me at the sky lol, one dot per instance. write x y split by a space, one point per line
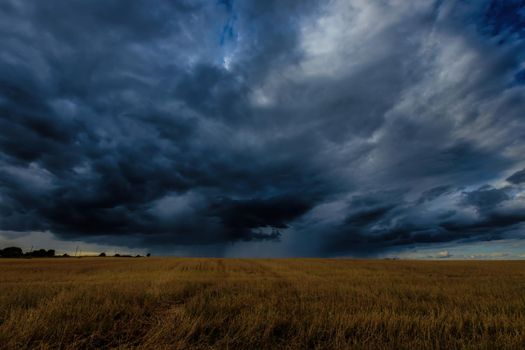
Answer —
342 128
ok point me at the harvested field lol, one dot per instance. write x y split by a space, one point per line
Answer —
181 303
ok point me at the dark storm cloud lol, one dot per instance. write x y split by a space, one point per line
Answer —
116 122
485 197
434 193
339 127
518 177
387 220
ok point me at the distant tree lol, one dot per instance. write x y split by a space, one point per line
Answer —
138 256
102 254
148 255
50 253
11 252
40 253
117 255
65 255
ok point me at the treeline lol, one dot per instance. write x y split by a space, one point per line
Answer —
16 252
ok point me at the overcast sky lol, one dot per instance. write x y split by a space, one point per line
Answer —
264 128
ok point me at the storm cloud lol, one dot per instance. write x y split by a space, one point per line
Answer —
341 127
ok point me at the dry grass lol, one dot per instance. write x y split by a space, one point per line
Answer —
261 304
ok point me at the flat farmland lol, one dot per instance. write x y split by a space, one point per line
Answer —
194 303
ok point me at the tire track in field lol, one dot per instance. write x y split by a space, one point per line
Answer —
283 283
191 291
174 311
284 307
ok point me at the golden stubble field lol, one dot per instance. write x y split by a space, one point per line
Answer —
179 303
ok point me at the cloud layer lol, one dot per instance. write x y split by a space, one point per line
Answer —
341 127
